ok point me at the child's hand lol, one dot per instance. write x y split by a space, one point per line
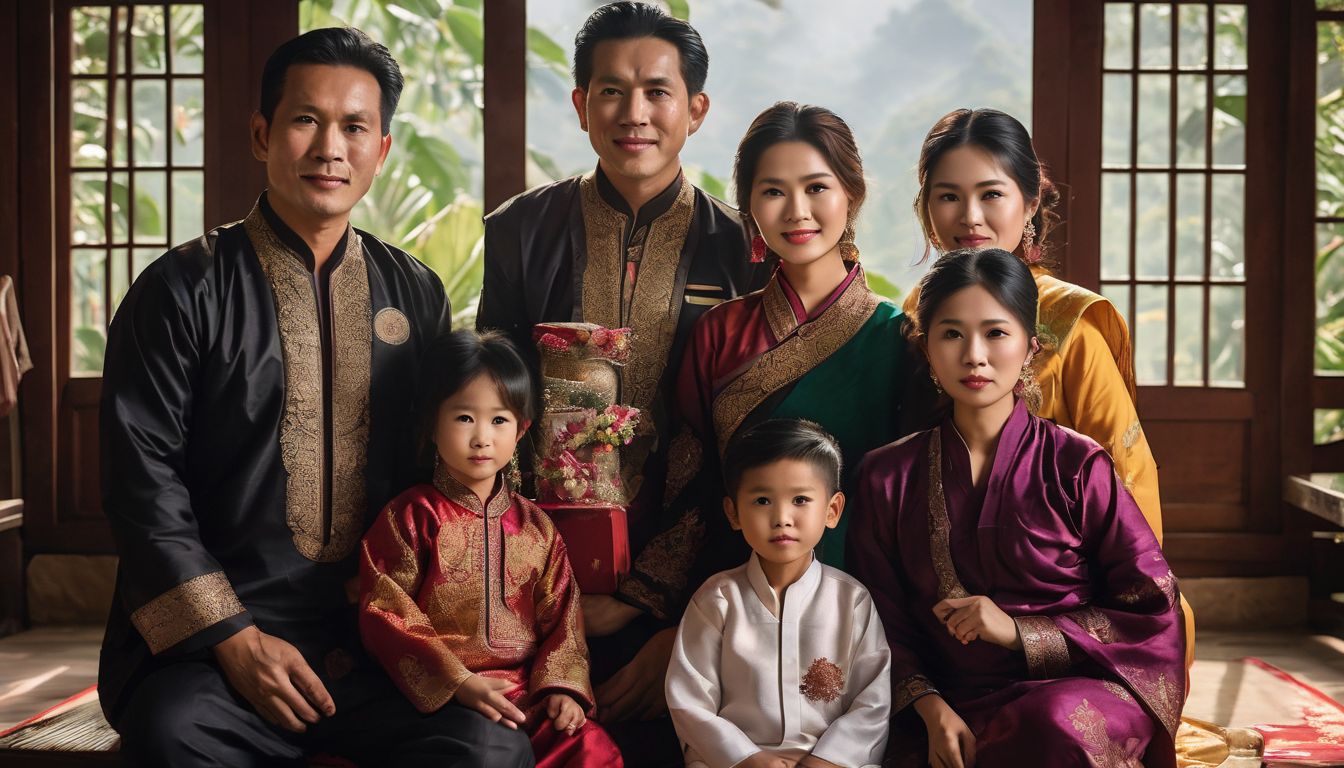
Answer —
486 695
978 618
767 759
951 743
565 713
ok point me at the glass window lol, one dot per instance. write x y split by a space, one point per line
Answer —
1330 199
136 154
890 69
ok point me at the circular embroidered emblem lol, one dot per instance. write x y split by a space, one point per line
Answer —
824 681
391 326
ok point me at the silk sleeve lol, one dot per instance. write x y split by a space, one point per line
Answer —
561 663
694 695
873 546
178 594
1133 629
392 625
859 736
502 306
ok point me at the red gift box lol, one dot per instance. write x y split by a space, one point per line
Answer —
598 543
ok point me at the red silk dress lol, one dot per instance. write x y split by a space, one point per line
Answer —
451 587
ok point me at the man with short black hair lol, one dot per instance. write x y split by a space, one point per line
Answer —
632 244
255 409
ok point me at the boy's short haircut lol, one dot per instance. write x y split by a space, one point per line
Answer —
777 440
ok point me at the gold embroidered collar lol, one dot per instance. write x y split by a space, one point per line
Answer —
461 495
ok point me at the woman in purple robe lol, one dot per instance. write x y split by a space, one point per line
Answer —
1031 615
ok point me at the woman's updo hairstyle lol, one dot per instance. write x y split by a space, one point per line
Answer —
817 126
1001 273
1003 137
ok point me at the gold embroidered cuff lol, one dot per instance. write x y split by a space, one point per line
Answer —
904 693
1046 649
185 610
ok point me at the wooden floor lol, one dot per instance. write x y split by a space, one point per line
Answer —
44 666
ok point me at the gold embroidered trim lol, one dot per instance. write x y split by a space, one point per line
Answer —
809 346
824 681
1131 435
186 609
1102 750
1163 586
778 312
665 563
302 433
1120 691
684 458
1095 623
703 301
909 689
1163 696
464 497
1045 647
940 546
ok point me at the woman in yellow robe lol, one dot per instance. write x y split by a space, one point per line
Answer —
982 186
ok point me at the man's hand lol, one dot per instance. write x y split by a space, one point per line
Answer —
978 618
812 761
605 615
767 759
272 675
951 743
636 690
486 695
565 713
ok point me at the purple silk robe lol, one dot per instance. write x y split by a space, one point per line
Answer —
1054 539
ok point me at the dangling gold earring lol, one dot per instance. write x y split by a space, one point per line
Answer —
1028 388
513 474
938 385
1029 242
848 250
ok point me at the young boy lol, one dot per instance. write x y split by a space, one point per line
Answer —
782 661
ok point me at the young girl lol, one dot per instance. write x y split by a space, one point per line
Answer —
1030 612
467 598
781 661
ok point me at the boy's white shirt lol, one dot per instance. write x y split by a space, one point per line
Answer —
740 659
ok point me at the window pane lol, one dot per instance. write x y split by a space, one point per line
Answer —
1229 217
1150 334
1155 35
1329 425
89 28
1229 38
1229 120
1118 294
120 278
120 190
188 122
1193 41
147 44
1330 119
141 258
1115 226
151 207
188 37
1190 225
1119 32
1227 328
1189 361
1191 114
151 107
1330 298
88 123
121 139
188 205
877 44
1150 241
88 195
1154 120
1116 103
88 323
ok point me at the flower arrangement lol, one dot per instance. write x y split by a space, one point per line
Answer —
580 462
583 340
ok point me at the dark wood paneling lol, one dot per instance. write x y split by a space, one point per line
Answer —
505 100
1201 516
1327 392
1225 554
1200 461
1050 70
1194 403
1081 262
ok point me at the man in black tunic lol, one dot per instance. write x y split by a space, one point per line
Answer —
254 418
631 244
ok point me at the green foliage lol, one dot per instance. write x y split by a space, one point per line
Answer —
884 287
1329 357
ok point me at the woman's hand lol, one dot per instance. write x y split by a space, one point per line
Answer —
486 695
951 743
978 618
565 713
767 759
635 692
605 615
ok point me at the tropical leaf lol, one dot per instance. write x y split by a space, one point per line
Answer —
546 49
883 287
681 9
468 32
